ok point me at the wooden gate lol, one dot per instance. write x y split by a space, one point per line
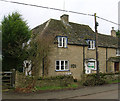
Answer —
8 78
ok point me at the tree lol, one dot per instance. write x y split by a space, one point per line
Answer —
15 32
118 33
0 46
0 39
39 51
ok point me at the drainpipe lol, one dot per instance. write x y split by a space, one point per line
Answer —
43 65
83 59
106 59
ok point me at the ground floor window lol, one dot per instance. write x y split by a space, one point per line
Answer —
61 65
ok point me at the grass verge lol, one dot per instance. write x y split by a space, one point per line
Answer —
55 87
113 81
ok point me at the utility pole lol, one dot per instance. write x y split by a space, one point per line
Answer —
96 42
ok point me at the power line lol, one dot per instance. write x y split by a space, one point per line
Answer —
108 20
47 7
59 10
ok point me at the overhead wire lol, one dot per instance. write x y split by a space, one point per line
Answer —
60 10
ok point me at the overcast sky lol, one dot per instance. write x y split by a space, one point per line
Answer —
35 16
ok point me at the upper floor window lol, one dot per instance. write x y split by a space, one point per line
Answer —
62 65
62 41
91 44
117 52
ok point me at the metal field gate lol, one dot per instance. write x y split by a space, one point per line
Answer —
8 78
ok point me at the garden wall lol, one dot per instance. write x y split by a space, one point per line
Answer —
23 81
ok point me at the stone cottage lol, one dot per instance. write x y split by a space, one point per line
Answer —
74 52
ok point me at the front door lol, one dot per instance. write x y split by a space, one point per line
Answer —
116 66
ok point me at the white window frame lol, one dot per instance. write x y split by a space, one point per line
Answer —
117 52
60 65
62 41
91 43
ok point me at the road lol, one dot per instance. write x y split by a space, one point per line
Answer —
109 91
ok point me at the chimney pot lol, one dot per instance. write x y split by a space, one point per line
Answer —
112 28
113 32
65 18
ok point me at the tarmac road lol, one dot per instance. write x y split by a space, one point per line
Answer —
109 91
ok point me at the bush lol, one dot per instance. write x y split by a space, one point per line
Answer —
93 79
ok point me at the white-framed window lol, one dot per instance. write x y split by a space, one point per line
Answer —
61 65
62 41
91 44
117 52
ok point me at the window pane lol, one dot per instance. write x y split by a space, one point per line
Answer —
62 67
60 41
66 67
57 63
62 63
66 64
65 42
92 45
89 44
57 68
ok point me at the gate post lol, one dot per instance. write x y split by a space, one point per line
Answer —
13 77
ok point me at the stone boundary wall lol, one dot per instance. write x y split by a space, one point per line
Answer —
23 81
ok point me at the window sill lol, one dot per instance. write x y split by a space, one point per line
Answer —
91 48
62 70
63 47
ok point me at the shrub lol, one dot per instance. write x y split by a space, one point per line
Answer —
93 79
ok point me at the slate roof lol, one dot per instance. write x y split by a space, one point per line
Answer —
77 33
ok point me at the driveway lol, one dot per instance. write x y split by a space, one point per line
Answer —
109 91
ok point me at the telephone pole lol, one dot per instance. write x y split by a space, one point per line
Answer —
96 42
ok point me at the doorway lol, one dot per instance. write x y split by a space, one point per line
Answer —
116 66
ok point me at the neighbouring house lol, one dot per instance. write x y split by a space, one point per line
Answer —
73 51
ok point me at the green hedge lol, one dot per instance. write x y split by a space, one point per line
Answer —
93 79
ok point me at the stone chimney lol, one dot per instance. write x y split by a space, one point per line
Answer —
113 32
65 18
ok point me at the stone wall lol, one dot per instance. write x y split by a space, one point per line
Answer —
74 54
23 81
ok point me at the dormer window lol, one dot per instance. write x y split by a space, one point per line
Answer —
62 41
91 44
117 52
